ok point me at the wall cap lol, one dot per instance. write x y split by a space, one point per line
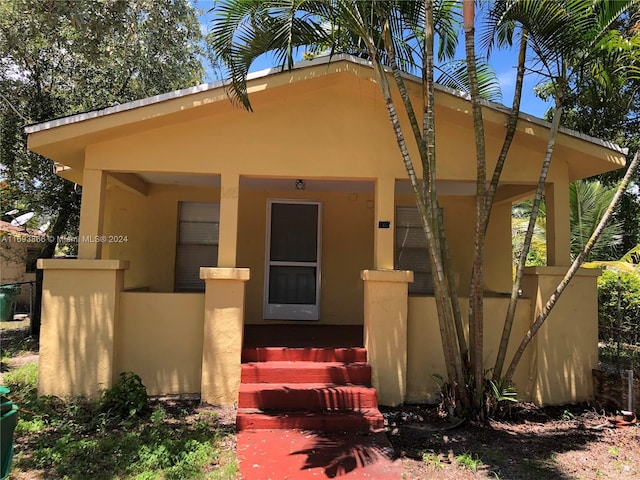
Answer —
395 276
219 273
561 271
81 264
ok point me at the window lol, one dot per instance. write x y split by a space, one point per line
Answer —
198 229
411 250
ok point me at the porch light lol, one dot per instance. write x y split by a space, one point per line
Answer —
300 184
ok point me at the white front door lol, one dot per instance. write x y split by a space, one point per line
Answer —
292 275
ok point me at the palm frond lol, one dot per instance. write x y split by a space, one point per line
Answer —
454 75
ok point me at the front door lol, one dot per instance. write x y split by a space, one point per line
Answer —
292 276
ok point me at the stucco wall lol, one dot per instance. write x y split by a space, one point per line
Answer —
459 219
565 350
80 301
159 337
346 249
425 356
354 138
150 224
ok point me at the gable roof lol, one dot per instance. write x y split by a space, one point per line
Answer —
52 138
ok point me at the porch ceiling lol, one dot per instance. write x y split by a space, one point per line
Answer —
313 185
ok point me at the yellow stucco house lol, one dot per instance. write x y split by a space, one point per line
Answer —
299 214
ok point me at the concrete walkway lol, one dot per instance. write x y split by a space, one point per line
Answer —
298 454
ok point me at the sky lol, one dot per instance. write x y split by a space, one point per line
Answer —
502 61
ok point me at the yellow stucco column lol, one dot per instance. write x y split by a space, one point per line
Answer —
91 214
385 331
565 349
80 301
223 326
558 224
384 212
228 239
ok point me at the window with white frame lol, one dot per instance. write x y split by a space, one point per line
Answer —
411 250
197 246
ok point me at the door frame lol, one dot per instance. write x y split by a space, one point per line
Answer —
291 311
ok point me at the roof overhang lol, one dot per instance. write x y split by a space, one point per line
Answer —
64 140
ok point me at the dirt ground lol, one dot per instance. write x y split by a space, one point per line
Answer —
568 442
572 442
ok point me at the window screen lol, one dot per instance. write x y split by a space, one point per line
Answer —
198 229
412 252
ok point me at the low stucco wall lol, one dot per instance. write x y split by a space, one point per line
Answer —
159 337
425 355
565 350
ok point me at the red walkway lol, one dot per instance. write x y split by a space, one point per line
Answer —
298 454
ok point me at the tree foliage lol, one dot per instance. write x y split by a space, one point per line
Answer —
58 58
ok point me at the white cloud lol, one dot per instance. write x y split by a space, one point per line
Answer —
506 79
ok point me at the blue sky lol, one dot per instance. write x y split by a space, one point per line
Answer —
502 61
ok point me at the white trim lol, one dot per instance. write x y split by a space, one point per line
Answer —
292 311
325 60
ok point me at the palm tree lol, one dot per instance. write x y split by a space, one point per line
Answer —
394 36
397 35
568 39
588 201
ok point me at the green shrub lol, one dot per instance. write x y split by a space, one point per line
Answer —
627 327
127 398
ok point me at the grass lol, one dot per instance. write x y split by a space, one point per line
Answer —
469 461
432 459
16 340
74 440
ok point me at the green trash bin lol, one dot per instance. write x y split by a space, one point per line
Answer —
8 297
8 422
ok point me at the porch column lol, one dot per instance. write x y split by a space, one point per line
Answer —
80 302
565 349
91 213
384 212
385 331
222 339
558 224
228 239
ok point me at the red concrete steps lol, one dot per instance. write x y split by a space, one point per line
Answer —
285 354
310 413
307 396
306 372
319 389
324 421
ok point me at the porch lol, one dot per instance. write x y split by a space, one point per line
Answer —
191 343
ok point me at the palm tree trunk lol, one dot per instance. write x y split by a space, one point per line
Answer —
446 259
444 314
511 130
513 301
540 319
476 313
512 124
441 283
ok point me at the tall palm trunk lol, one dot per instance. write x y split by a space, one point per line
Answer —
476 313
513 301
512 124
441 282
511 130
422 148
444 314
540 319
